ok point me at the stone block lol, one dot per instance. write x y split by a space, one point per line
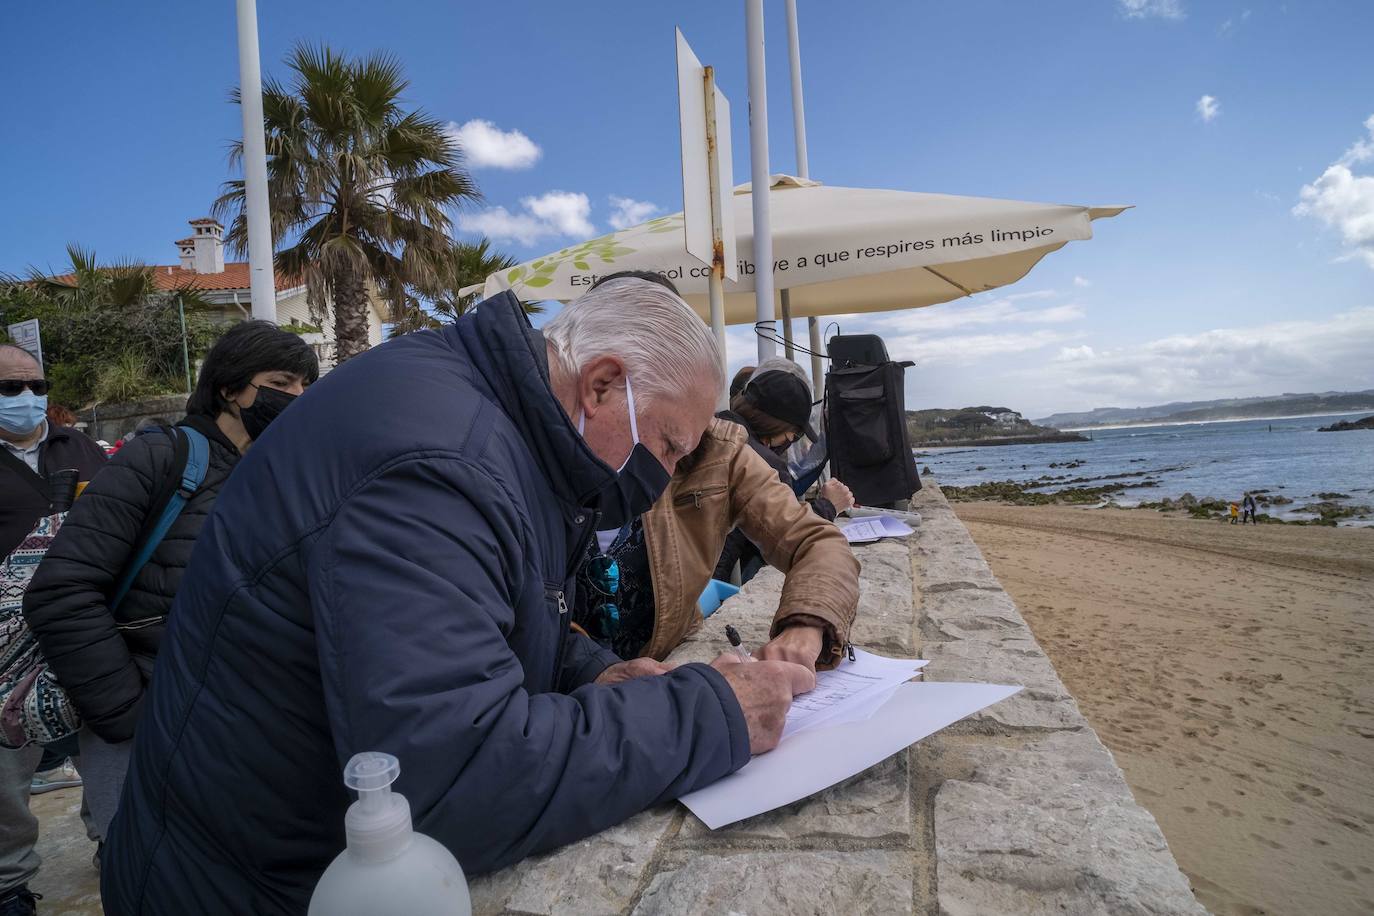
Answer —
874 805
1045 703
966 612
600 874
951 559
1051 828
872 881
886 619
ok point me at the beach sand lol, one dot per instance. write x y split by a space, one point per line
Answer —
1231 672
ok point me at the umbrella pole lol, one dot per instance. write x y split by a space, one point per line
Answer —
765 317
787 325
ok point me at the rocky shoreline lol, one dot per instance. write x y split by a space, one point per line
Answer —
1326 511
1347 425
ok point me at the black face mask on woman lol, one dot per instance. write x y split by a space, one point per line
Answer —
266 407
638 484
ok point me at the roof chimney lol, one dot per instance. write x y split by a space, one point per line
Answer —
186 249
207 246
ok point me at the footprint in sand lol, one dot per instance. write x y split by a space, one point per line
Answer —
1341 870
1265 841
1310 790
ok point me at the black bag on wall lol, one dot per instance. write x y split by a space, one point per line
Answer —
870 450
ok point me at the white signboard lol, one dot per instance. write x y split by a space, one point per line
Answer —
25 334
697 185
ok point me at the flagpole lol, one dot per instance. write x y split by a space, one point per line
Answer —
261 281
764 312
813 326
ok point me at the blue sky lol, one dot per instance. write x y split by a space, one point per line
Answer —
118 119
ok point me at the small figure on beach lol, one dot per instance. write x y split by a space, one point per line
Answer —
1248 510
1235 513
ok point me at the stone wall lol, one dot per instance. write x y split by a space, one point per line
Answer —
1018 809
111 421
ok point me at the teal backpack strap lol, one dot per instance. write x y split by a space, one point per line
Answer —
192 476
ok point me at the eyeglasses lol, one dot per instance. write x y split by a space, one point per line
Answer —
13 387
603 572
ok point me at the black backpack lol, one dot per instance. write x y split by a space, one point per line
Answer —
865 422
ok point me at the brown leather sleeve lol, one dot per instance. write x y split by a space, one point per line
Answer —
822 574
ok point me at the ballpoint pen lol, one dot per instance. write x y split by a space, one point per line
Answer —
733 635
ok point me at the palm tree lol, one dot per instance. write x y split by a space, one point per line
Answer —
122 284
106 321
358 186
462 265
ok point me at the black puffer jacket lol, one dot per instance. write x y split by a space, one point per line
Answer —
104 660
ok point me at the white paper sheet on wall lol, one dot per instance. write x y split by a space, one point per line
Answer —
866 530
817 758
848 686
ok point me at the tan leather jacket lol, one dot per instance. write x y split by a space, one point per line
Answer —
722 484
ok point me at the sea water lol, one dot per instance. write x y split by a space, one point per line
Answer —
1223 460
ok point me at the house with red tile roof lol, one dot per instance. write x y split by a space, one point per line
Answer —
225 286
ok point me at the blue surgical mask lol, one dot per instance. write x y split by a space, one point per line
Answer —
22 413
639 482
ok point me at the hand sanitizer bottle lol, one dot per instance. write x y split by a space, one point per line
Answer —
387 867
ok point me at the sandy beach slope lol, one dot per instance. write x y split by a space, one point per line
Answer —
1231 672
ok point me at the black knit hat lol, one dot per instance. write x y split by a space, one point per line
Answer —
783 396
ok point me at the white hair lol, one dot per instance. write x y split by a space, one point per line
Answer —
664 345
779 364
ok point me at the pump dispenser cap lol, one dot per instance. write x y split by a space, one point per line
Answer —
378 823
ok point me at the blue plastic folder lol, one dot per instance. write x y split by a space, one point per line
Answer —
715 595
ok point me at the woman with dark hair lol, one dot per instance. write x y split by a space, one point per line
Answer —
774 405
101 646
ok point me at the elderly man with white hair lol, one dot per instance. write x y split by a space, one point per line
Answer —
389 569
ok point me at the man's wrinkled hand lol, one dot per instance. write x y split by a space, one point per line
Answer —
764 690
628 671
798 644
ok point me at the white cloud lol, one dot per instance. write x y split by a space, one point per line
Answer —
1344 200
485 145
1082 282
566 211
627 212
499 224
1231 25
556 213
1208 108
962 349
973 313
1151 9
1323 354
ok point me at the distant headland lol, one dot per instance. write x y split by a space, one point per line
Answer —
1257 408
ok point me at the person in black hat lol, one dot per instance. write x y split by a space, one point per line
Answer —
775 406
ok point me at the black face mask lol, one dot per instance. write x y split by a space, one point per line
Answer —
266 407
638 484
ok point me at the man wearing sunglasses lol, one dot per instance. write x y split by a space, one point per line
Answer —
30 449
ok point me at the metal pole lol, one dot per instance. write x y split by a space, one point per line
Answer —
786 298
185 346
813 326
764 310
263 286
717 280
